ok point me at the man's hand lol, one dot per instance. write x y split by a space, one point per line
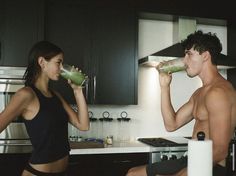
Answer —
165 79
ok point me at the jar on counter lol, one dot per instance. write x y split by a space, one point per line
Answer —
124 127
109 140
93 126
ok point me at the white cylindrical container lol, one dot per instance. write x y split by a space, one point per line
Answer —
200 158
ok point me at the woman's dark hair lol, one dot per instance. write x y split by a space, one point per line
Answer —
204 42
44 49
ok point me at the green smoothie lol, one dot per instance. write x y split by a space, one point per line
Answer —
172 66
172 69
76 77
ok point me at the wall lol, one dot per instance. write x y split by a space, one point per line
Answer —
146 118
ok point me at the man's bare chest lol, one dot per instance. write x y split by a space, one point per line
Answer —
199 106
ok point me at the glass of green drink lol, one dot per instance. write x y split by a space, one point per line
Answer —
71 73
172 66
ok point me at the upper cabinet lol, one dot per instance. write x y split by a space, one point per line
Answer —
68 26
231 39
101 41
114 35
21 25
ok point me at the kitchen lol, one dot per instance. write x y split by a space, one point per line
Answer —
145 115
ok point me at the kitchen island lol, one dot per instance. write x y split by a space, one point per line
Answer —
108 160
92 158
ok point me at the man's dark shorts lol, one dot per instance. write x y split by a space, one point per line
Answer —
170 167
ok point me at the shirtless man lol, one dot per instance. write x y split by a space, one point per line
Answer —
212 106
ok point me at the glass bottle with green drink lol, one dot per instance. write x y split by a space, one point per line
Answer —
73 74
172 66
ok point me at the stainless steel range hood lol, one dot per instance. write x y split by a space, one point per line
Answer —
181 29
169 53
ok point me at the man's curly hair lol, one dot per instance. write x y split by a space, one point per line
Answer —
202 42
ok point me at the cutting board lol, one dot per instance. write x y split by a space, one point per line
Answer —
86 144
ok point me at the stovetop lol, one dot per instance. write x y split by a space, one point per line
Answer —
165 142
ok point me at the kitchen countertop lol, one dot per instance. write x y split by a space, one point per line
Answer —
116 147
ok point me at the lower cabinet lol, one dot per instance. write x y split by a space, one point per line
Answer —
13 164
105 164
80 165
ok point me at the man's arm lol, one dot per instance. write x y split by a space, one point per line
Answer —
173 120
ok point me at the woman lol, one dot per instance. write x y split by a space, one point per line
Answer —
46 114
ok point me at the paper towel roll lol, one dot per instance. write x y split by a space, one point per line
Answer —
200 158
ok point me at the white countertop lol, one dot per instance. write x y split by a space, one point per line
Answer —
126 147
116 147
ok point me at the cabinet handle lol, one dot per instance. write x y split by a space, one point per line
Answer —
94 87
5 99
86 89
122 161
0 50
74 163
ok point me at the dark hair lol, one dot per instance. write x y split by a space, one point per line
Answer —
204 42
44 49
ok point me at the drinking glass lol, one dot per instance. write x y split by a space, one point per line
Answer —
172 66
71 73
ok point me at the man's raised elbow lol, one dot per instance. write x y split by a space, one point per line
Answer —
170 129
86 128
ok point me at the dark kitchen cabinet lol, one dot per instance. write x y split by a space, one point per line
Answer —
100 40
231 39
13 164
114 55
67 25
21 25
105 164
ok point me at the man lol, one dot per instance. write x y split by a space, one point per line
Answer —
212 106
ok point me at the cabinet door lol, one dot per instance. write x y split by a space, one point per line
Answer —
114 55
2 21
13 164
101 41
68 26
105 164
231 39
22 24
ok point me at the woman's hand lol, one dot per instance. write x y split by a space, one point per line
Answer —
74 86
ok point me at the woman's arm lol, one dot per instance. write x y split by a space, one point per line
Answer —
80 118
18 105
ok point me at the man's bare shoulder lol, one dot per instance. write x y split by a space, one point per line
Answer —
224 86
222 90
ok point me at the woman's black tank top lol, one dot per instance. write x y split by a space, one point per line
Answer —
48 130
